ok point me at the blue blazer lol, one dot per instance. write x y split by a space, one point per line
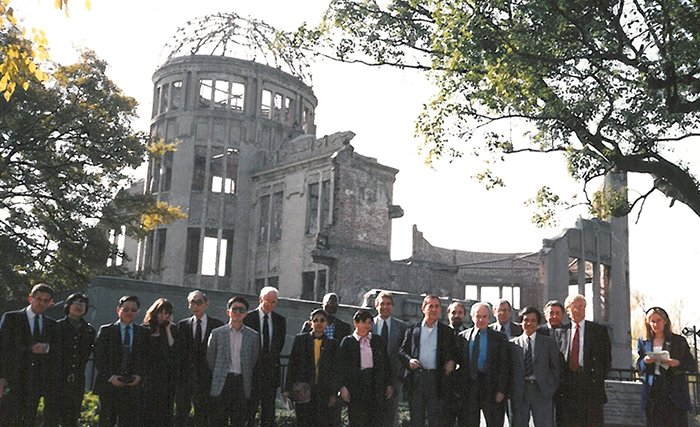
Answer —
675 381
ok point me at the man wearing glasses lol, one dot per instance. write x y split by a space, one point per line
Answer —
119 359
232 352
194 380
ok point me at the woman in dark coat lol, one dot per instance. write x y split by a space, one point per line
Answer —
159 385
664 360
365 382
313 361
75 338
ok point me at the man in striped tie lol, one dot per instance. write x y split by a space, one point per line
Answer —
536 373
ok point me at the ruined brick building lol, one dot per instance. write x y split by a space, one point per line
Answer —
269 203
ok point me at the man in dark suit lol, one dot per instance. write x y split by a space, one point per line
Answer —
454 410
272 328
392 331
120 364
364 378
553 315
193 374
336 328
27 343
536 373
585 349
428 353
484 359
503 323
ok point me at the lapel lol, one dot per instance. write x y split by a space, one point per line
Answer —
416 340
24 319
538 347
393 335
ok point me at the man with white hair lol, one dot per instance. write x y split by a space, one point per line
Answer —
484 361
272 328
585 347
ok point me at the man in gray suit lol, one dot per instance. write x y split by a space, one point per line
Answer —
231 355
536 373
392 331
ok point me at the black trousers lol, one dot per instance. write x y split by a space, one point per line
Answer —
62 406
660 411
121 405
363 409
316 412
229 408
584 411
18 407
263 395
424 403
483 400
194 393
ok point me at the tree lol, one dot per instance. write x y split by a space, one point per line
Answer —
611 85
66 147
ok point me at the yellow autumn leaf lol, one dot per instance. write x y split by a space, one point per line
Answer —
25 85
7 95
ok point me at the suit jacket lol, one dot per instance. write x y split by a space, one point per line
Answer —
410 349
108 354
596 359
342 329
397 331
268 365
515 329
545 364
74 349
349 367
219 357
191 357
301 364
675 381
16 343
497 369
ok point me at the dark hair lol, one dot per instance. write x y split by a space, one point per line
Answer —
428 298
648 333
555 303
501 302
126 298
238 299
151 317
362 315
528 309
76 297
320 311
41 288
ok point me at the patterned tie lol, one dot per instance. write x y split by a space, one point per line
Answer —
266 335
529 371
573 354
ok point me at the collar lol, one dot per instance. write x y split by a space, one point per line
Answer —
358 338
424 324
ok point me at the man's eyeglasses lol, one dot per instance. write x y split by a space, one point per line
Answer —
238 309
196 302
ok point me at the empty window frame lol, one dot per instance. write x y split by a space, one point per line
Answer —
161 239
156 101
264 227
199 168
326 202
192 250
221 93
216 170
166 171
164 98
206 88
176 95
217 252
308 279
276 217
279 114
266 104
493 293
288 110
312 209
231 171
237 99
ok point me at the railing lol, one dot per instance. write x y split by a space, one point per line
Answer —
632 375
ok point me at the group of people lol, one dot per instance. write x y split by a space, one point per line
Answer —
158 372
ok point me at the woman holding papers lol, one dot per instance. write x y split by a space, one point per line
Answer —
664 360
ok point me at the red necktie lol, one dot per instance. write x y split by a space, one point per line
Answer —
573 354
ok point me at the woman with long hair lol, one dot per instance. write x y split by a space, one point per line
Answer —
159 384
664 360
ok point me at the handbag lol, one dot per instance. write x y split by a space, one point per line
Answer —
301 392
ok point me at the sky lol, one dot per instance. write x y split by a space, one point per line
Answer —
380 105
